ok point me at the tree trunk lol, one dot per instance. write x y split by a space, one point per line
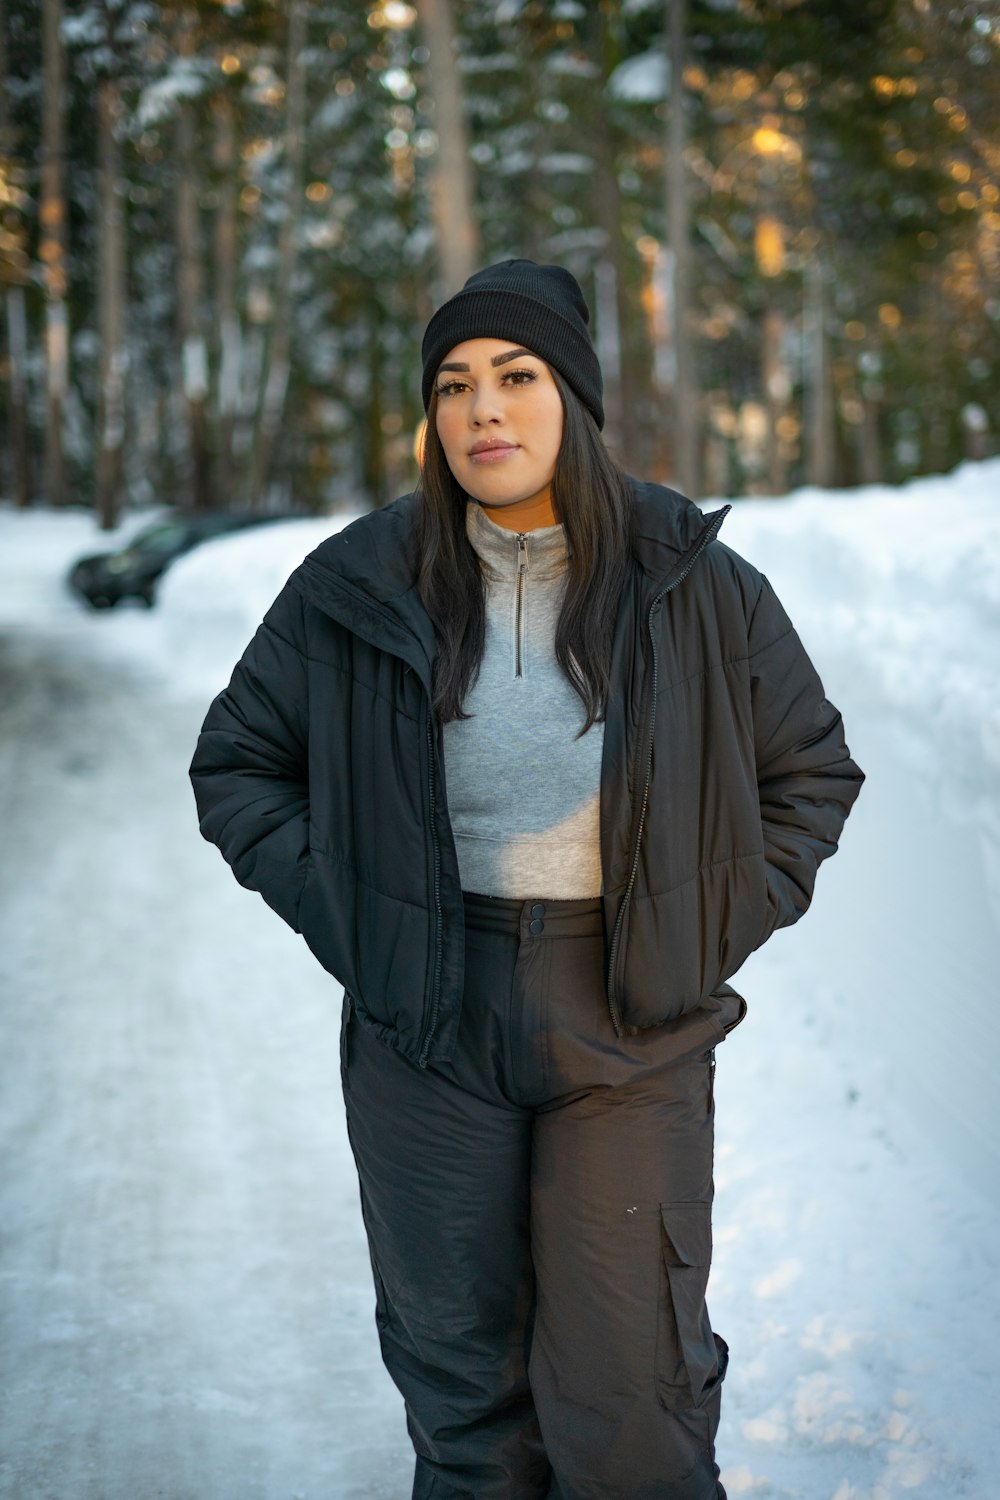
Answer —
52 248
451 184
819 424
685 425
17 397
190 290
607 278
657 297
937 416
228 340
274 384
373 439
870 468
624 361
18 478
111 296
777 388
608 342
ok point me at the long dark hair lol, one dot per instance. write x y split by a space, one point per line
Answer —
590 496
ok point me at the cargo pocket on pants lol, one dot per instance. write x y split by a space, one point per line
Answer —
690 1360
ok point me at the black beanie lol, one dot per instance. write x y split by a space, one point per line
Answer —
539 306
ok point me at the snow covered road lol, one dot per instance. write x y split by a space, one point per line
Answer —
186 1308
186 1295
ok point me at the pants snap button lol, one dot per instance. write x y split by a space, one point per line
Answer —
536 926
538 910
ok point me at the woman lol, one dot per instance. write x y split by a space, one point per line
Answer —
533 762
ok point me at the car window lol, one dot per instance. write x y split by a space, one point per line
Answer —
214 525
159 538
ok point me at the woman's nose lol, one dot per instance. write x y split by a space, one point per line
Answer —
485 407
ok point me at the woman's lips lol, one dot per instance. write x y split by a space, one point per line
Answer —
492 455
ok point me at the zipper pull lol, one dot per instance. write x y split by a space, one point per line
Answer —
522 571
711 1080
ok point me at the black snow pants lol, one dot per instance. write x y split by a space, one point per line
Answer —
538 1212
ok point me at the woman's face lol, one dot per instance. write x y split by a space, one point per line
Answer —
500 421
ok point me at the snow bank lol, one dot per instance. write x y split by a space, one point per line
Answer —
236 578
212 600
209 602
896 596
896 592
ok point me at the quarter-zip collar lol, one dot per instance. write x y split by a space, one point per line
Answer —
542 553
515 562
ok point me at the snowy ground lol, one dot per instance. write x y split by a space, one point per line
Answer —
186 1308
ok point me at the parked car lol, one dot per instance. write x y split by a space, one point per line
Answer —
133 572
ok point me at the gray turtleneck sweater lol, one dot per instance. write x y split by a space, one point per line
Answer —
523 793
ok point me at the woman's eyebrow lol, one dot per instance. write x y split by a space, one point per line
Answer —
498 359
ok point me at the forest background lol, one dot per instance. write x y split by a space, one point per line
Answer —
224 225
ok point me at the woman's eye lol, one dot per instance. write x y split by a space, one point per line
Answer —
514 377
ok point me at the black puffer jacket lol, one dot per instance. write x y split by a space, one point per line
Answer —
725 779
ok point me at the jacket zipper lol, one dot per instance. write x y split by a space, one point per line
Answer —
707 536
522 568
435 1005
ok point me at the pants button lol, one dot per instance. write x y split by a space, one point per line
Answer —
538 910
536 926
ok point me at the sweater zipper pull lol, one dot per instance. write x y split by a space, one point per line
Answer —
522 568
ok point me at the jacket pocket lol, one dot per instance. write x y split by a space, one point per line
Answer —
689 1358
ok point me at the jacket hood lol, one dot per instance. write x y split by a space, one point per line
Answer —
366 577
377 552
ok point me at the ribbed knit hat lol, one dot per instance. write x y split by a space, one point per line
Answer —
539 306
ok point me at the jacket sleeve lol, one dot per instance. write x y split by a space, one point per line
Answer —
250 766
806 780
